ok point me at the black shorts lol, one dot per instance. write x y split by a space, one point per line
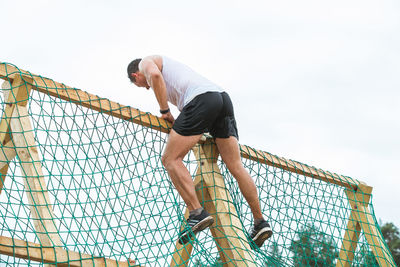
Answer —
211 112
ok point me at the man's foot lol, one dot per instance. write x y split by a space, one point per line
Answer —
260 233
195 224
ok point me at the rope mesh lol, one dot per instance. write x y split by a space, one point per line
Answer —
112 198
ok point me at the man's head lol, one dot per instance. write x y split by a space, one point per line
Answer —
135 75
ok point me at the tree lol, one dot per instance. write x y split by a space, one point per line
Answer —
391 235
392 238
313 248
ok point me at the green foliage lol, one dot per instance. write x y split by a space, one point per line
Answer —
391 235
313 248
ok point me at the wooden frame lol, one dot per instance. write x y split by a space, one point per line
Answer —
357 192
52 255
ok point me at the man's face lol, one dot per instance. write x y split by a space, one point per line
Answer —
140 80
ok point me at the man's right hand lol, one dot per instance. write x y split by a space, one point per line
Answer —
168 116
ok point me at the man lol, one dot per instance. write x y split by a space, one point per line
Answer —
205 107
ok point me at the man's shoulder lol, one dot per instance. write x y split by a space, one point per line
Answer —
156 59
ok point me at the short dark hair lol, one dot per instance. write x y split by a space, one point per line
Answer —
133 67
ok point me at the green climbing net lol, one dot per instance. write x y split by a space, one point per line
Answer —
112 197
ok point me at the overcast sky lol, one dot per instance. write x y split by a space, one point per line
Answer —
313 81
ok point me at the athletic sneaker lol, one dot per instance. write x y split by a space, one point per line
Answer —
260 233
195 224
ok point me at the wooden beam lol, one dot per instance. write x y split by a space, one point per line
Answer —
52 255
82 98
35 186
6 70
297 167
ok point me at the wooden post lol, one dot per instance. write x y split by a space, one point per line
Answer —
233 246
53 255
361 218
35 186
7 152
25 147
16 120
352 233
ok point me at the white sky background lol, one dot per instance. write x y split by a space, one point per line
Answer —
313 81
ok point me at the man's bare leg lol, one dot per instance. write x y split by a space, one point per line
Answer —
229 150
177 148
230 153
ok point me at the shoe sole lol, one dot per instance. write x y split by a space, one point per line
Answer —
263 235
206 222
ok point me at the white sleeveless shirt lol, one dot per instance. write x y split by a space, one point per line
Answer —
183 84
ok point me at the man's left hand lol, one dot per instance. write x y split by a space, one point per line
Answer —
168 116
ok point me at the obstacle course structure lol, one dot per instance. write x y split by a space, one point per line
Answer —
82 184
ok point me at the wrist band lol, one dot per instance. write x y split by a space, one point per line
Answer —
165 111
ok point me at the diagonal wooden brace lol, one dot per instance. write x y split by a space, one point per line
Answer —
35 186
362 219
12 94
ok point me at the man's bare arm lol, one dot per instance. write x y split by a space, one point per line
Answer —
156 81
154 78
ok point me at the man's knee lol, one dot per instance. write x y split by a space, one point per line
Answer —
165 160
168 162
236 169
